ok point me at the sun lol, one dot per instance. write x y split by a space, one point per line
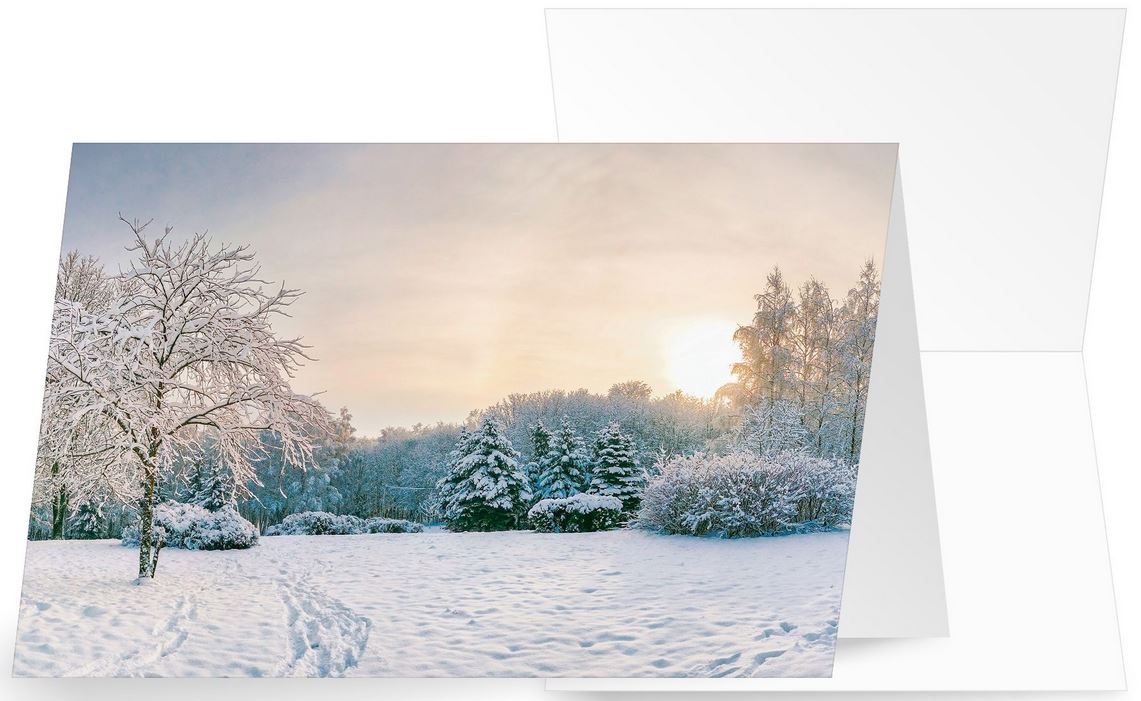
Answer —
699 355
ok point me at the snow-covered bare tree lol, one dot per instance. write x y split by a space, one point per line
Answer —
861 309
633 390
771 428
185 353
765 372
807 359
80 280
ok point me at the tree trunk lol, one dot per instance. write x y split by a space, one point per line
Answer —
59 507
148 548
853 453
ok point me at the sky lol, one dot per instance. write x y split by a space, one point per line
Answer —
440 278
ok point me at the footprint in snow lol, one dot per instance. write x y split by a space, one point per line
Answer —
608 637
764 656
728 659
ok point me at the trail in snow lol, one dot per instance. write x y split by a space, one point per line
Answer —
325 637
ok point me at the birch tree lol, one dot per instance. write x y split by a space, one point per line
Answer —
765 372
861 310
809 358
80 280
185 353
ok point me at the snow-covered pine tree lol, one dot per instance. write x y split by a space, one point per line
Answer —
87 521
194 480
615 468
541 448
214 489
564 474
486 488
450 482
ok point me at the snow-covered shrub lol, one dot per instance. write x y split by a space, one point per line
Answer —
379 524
823 490
325 523
580 513
744 494
318 523
194 528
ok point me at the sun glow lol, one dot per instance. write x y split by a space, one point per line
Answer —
699 356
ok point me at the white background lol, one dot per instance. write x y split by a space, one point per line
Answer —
216 71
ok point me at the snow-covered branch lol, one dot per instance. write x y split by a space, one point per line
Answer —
184 352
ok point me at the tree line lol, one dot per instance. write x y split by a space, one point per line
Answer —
170 369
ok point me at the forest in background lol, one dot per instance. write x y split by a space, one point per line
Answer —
801 384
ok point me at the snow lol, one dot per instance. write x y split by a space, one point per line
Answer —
579 503
618 603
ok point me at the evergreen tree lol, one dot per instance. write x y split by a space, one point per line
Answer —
485 489
213 491
541 449
194 484
564 474
87 521
453 476
615 468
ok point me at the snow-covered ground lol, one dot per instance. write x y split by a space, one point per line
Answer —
620 603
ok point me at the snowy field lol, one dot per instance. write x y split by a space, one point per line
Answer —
619 603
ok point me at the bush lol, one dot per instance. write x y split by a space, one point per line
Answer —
317 523
743 494
379 524
325 523
194 528
580 513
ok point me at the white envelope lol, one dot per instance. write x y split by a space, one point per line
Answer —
1003 120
